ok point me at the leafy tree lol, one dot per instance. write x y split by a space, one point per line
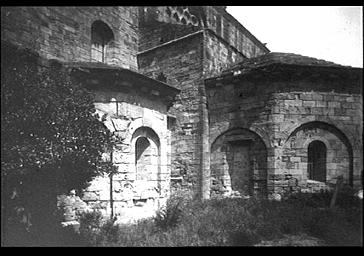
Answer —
51 141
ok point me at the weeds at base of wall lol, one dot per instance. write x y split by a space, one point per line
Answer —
239 222
232 222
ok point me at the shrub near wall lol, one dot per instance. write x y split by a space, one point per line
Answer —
239 222
51 143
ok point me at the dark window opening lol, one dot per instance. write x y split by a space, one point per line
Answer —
142 157
101 36
317 161
141 145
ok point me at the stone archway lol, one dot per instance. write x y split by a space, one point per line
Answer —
296 156
147 160
238 164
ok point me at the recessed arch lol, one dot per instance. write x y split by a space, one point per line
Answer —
239 163
147 161
226 127
145 131
331 137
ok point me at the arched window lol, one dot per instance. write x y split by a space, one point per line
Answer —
101 36
317 161
147 154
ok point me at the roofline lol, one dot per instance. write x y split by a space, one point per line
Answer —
231 73
42 61
159 84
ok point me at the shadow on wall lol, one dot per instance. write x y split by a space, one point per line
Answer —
239 164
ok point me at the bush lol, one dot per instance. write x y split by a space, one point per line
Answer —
90 226
237 222
52 142
170 216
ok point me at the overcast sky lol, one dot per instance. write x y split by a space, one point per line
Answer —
325 32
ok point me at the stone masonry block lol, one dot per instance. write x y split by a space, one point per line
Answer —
321 104
309 103
334 104
317 97
305 96
297 103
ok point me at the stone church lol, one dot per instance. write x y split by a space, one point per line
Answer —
199 104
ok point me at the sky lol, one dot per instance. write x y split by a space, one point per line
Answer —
332 33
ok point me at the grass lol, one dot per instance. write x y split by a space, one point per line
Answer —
299 220
236 222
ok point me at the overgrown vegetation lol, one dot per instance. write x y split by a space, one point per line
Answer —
51 142
237 222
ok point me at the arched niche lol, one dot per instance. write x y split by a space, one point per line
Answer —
146 150
339 153
239 163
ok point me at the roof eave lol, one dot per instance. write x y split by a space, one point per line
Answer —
239 74
159 85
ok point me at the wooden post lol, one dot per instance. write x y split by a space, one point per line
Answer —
339 181
111 189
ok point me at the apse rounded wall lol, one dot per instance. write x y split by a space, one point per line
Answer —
278 114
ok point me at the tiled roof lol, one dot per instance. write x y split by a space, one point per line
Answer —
278 58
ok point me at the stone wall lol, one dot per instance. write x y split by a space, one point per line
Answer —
141 185
181 63
218 54
288 117
333 118
187 19
185 63
64 33
157 33
225 26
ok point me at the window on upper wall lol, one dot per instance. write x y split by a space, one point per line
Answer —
101 37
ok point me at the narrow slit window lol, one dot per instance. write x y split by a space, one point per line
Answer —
317 161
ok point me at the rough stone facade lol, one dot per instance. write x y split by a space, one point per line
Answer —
287 109
183 69
187 53
135 110
64 33
242 122
133 106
